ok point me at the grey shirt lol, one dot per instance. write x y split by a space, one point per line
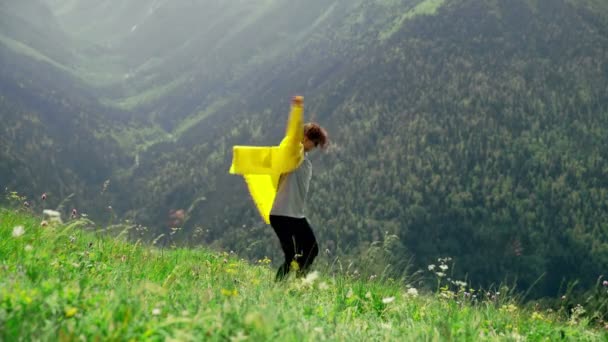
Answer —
293 189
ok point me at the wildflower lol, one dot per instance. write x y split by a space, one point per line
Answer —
311 277
229 293
388 300
443 267
70 312
52 216
460 283
265 261
446 294
372 277
368 295
156 311
28 248
605 283
440 274
26 204
18 231
431 267
412 292
509 308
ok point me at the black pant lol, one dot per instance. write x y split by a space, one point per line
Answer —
297 241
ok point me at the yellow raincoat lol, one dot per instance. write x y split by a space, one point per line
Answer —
261 166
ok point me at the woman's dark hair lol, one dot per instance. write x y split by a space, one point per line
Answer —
316 134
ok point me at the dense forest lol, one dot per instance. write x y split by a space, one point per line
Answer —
470 129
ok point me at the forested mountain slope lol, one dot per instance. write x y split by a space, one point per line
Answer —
469 128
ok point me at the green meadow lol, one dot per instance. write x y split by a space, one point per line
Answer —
74 281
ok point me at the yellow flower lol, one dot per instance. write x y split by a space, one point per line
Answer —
229 293
70 312
509 308
537 316
265 261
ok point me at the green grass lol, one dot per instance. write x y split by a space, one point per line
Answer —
72 282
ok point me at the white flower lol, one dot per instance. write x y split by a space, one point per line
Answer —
388 300
28 248
431 267
18 231
310 278
460 283
156 311
412 292
443 267
368 295
440 274
52 216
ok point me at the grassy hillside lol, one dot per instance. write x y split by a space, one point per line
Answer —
79 281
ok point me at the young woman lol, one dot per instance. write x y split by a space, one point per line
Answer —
287 216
